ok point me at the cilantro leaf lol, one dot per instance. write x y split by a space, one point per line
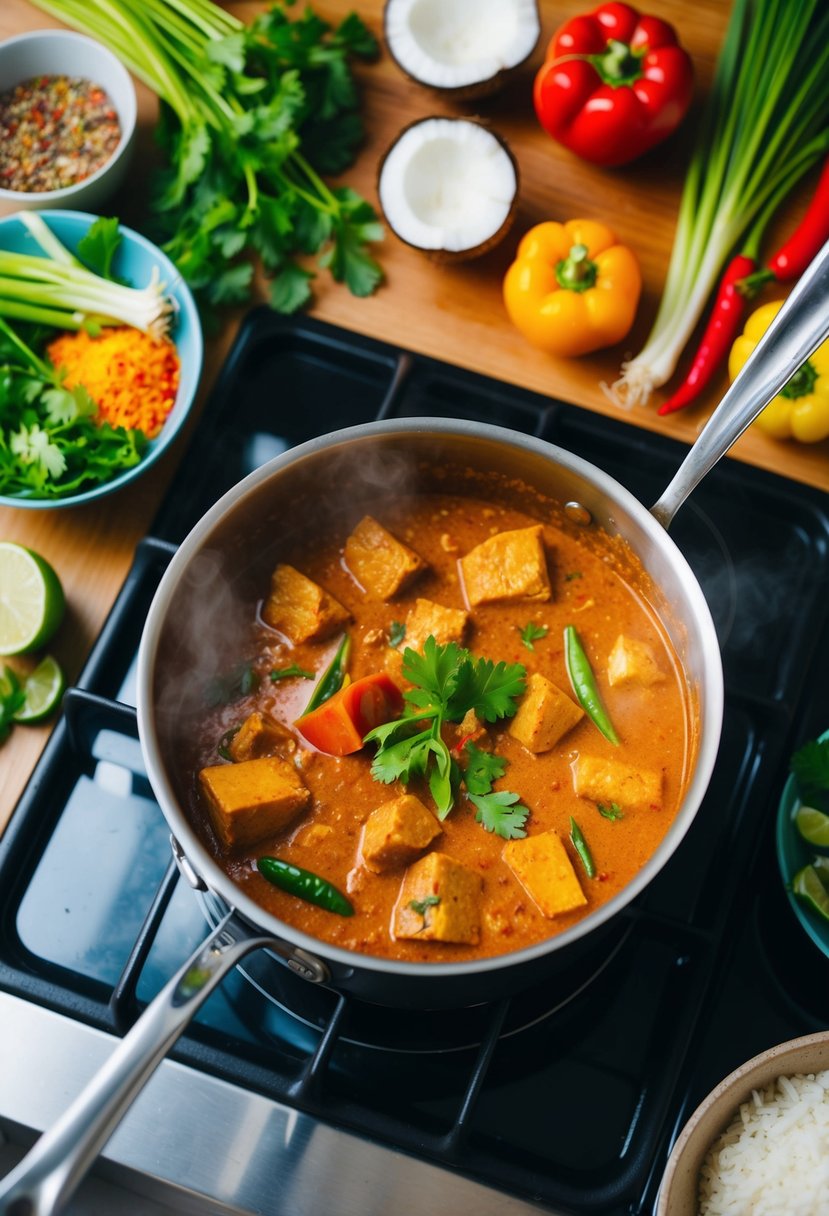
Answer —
612 812
532 632
482 769
420 905
810 765
290 289
491 689
99 244
501 813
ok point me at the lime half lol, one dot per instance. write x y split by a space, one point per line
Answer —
31 600
813 826
42 692
807 885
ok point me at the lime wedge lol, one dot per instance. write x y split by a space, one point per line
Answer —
42 692
807 886
820 865
31 600
813 826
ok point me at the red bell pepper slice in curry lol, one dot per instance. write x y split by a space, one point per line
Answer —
615 83
339 725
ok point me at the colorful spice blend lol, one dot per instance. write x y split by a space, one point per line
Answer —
132 377
54 131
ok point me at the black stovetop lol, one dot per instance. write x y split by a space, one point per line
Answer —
571 1094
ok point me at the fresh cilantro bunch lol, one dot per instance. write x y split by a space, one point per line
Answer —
50 443
251 116
449 682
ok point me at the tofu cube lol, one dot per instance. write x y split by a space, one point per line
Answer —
258 736
508 566
428 619
301 609
544 715
313 834
381 564
397 832
252 800
446 897
542 866
611 781
632 662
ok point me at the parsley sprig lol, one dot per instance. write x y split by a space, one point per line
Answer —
449 682
253 115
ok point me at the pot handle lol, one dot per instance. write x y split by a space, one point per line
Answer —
47 1176
794 334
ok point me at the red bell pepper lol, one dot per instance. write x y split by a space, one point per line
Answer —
340 724
615 83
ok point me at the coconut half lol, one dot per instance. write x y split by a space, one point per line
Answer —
449 186
464 47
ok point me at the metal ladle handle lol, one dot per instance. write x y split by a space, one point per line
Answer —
794 334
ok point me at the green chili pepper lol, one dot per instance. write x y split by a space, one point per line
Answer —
584 684
331 680
580 845
305 885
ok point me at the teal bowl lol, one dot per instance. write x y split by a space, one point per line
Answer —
793 853
134 262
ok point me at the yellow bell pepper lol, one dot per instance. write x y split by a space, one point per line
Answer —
800 410
571 288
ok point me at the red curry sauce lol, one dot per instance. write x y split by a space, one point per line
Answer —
588 591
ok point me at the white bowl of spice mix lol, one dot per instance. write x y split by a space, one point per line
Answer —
67 121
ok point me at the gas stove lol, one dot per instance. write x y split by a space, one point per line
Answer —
565 1098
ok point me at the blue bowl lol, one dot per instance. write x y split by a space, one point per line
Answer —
134 262
793 853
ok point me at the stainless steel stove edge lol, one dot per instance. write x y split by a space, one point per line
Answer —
209 1147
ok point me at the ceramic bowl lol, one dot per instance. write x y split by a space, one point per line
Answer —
65 53
792 854
678 1193
134 262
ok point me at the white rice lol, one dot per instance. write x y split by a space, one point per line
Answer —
773 1160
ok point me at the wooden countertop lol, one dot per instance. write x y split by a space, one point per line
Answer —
451 313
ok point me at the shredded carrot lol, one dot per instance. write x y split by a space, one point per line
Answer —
132 378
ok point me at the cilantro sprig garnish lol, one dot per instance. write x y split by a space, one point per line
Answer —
449 682
253 116
532 633
612 812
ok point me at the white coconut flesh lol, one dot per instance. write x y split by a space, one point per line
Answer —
451 44
447 184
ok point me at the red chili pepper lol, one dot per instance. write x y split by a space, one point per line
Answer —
803 245
721 330
615 83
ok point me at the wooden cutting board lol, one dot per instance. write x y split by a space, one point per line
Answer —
451 313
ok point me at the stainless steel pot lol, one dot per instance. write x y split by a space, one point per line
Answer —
220 549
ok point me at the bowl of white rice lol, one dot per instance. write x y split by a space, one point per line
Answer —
758 1145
